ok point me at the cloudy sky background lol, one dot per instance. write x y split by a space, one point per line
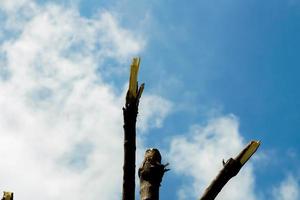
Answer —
218 74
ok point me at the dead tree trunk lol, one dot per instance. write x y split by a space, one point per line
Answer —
130 112
151 173
231 168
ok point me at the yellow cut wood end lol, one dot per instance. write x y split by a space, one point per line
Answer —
134 70
245 155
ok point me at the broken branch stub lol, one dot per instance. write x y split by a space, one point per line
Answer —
134 91
151 173
230 169
8 196
247 152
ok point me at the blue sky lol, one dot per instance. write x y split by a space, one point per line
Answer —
210 68
236 57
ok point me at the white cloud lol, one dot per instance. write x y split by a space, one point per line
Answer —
12 5
199 155
153 110
60 123
288 189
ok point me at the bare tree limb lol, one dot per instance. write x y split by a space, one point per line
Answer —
130 112
151 173
231 168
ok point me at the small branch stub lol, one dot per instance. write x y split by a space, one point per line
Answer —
8 196
151 173
230 169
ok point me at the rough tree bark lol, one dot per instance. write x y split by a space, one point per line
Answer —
151 173
231 168
130 112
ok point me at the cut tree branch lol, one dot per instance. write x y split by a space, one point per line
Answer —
151 173
8 196
130 112
231 168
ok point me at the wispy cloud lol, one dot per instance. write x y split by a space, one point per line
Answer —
13 5
153 110
60 122
288 189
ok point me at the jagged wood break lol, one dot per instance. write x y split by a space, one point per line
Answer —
151 173
130 112
231 168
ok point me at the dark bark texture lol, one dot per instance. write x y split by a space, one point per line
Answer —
231 169
151 173
130 114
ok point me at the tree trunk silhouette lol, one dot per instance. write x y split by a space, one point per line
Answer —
130 112
151 173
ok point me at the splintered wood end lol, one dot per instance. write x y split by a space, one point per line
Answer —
134 70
